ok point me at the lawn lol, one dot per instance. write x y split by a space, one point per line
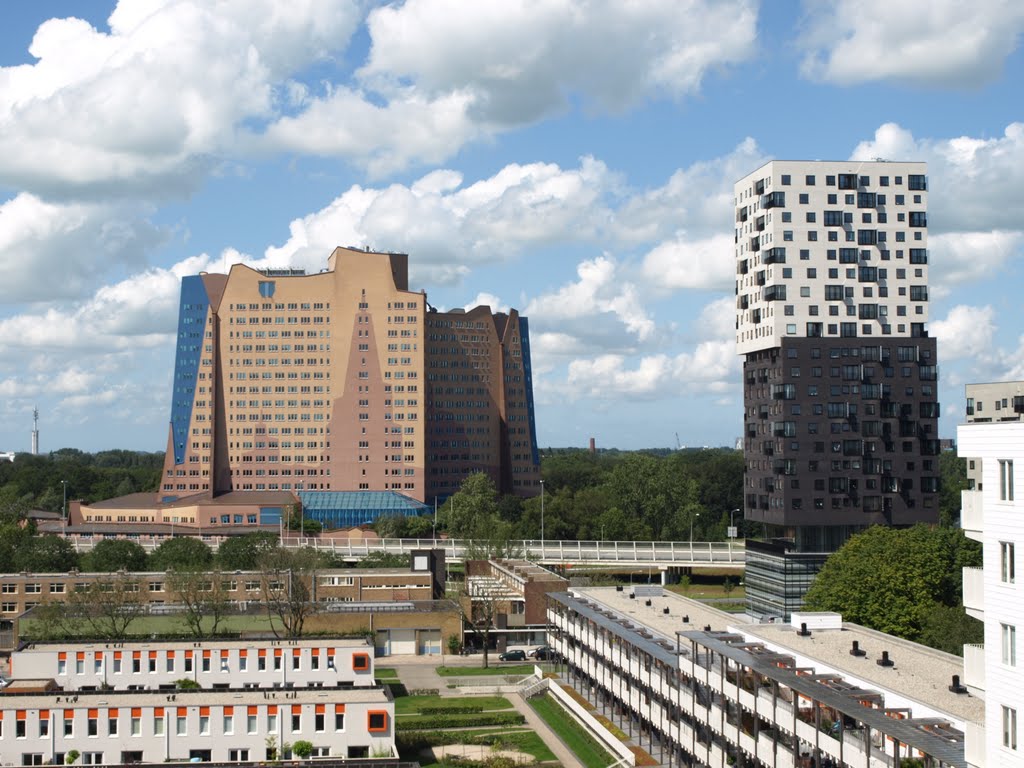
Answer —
387 674
174 625
499 668
589 752
511 737
410 705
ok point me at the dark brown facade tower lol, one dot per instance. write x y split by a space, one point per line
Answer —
839 374
480 401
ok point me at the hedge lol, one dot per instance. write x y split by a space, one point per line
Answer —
458 721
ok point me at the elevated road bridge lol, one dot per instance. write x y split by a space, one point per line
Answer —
579 555
570 555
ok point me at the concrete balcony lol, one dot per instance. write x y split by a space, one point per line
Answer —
974 669
974 745
971 514
974 592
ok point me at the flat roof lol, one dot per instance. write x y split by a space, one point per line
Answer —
184 698
944 743
653 616
193 644
919 673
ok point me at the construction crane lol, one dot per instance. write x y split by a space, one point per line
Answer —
679 446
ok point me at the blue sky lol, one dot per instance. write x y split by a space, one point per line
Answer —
573 159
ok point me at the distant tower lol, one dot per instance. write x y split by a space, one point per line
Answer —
35 431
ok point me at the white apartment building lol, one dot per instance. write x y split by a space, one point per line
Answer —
240 725
212 664
994 515
696 687
831 249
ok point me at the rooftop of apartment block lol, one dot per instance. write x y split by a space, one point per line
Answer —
207 697
918 672
191 644
683 613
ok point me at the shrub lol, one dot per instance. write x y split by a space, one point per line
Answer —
302 749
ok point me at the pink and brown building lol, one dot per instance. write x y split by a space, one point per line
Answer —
344 380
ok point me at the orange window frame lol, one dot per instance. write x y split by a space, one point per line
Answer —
381 713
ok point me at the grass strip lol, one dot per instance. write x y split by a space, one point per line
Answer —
583 745
440 722
500 668
410 705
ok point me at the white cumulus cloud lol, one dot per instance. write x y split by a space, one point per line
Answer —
943 43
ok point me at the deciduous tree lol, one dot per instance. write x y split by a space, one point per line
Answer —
891 579
286 577
182 553
202 595
109 605
111 555
243 553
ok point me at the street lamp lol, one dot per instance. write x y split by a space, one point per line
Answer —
64 508
732 524
695 515
542 518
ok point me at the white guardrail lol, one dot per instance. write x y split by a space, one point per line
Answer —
585 553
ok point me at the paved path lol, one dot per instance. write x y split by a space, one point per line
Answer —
419 672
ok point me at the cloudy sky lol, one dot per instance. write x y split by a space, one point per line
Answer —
570 158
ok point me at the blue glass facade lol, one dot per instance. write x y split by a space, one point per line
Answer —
344 509
194 307
524 340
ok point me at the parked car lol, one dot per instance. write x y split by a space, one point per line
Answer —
541 652
512 656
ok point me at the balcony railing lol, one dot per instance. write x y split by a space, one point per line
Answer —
974 666
974 593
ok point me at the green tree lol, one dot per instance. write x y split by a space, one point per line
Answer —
181 553
302 749
307 526
243 553
890 579
949 628
384 560
45 554
472 509
953 476
419 526
111 555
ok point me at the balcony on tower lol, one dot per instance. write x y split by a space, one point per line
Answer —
974 592
972 517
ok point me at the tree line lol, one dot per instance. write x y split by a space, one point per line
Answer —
34 482
602 496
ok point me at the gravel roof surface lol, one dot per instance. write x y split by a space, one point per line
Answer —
919 673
